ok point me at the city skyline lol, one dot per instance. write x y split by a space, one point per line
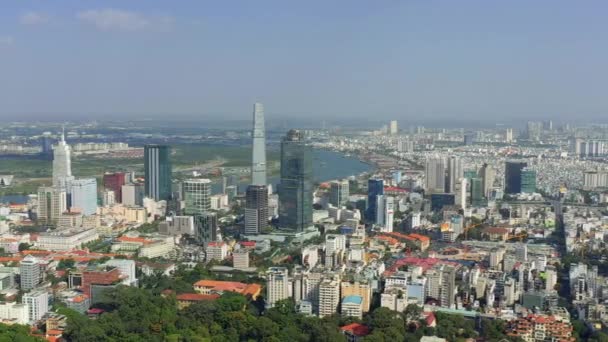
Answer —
390 60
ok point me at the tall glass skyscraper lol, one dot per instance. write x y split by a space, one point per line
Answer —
296 187
375 188
258 155
84 195
513 171
157 167
197 196
62 164
256 209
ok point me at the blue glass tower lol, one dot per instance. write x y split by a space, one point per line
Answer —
375 188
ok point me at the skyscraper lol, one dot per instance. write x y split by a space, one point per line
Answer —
435 175
454 173
338 192
115 181
375 188
52 202
256 209
197 196
487 174
258 165
528 181
476 191
296 187
385 213
513 176
84 195
205 228
62 165
157 167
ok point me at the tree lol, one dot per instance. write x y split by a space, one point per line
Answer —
65 264
412 312
24 246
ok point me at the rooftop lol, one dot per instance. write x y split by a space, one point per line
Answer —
352 300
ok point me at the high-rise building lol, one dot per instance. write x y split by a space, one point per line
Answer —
393 127
205 227
258 165
197 196
62 164
513 171
38 304
108 198
277 285
329 297
240 259
52 202
476 191
461 192
157 167
338 192
256 209
435 175
133 194
528 181
115 181
385 213
375 188
448 286
31 274
84 196
487 174
454 173
296 187
509 135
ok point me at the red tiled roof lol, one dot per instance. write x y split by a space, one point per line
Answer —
356 329
196 296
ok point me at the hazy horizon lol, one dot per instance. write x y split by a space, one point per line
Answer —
413 61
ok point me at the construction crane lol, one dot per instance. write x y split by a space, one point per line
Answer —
467 228
519 236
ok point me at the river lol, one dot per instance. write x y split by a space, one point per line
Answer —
328 165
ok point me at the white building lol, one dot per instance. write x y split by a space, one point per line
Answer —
126 268
38 304
240 259
66 239
277 285
394 299
15 313
216 251
52 202
108 198
31 274
62 164
352 306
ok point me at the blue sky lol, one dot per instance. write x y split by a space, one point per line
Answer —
332 59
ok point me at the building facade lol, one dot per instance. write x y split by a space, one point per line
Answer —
158 172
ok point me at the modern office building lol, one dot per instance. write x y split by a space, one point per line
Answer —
206 228
513 171
338 192
438 201
448 286
256 209
62 164
385 213
133 194
454 173
115 181
258 164
38 304
277 285
197 196
157 168
487 175
375 188
296 187
31 275
477 191
84 196
528 181
52 202
435 176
